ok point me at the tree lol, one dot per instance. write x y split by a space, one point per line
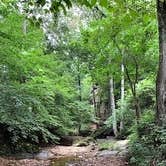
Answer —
161 76
112 101
122 96
39 99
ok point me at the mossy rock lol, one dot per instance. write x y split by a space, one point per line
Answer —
82 143
85 141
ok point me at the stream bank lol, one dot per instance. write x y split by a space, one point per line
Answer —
90 155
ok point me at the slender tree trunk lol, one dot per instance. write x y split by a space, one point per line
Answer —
161 76
112 98
122 97
137 108
79 87
94 100
79 80
132 83
134 92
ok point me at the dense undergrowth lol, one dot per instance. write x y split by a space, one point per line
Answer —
148 142
39 98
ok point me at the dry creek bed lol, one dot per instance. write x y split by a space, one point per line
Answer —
73 156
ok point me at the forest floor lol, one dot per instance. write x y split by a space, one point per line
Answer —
91 155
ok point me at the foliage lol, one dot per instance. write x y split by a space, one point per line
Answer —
38 90
128 118
145 94
81 113
147 146
45 92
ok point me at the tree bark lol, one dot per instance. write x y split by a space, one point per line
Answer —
112 101
79 80
161 76
122 97
94 100
79 87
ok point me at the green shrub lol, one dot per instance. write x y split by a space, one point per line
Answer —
128 119
148 142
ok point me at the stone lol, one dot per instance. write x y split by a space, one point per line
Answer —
107 153
123 153
44 155
82 143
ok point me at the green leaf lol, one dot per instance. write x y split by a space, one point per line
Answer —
104 3
87 3
68 3
93 2
41 2
64 9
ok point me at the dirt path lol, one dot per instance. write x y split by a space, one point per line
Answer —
74 156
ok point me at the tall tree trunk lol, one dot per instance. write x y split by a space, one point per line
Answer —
94 100
112 98
132 83
79 87
161 76
122 97
137 108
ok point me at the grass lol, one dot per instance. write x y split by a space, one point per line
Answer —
107 145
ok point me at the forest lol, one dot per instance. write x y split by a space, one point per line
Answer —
82 83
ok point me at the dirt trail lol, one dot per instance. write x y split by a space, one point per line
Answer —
74 156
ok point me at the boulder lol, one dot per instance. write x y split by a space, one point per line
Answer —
82 143
66 141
